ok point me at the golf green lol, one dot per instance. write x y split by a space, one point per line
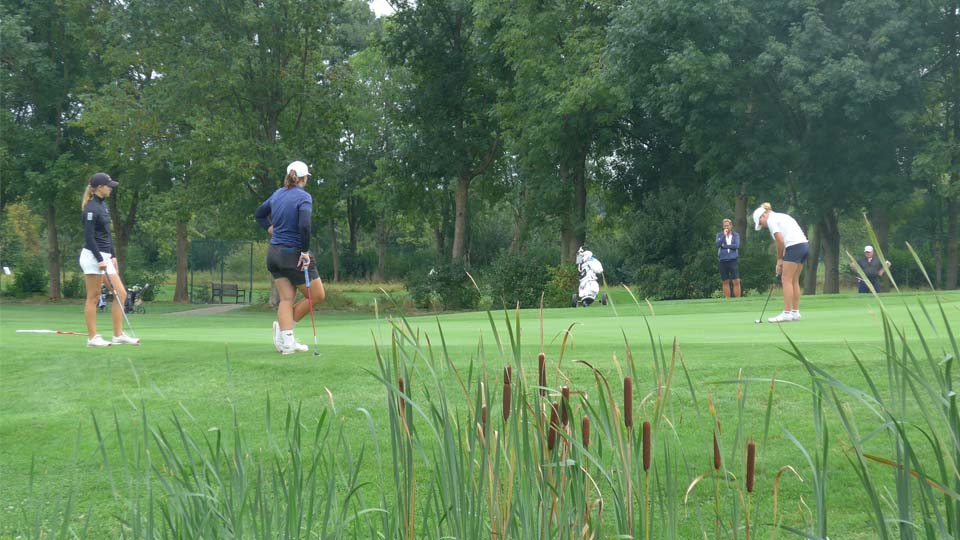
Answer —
205 369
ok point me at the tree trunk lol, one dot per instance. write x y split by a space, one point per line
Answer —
953 206
740 215
518 242
122 228
880 222
460 224
381 248
813 263
830 241
353 223
180 293
53 252
334 253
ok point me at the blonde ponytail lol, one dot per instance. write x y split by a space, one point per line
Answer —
87 195
291 179
766 206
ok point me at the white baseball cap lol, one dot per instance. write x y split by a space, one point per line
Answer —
300 168
756 217
867 248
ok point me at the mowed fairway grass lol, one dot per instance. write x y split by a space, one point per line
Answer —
206 368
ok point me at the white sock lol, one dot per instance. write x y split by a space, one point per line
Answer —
288 340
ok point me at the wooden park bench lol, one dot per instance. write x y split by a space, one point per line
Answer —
218 291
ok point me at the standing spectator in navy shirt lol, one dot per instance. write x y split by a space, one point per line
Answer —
728 247
286 216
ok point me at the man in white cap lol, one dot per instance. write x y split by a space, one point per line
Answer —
872 268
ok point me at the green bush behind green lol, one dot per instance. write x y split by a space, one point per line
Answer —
445 286
30 279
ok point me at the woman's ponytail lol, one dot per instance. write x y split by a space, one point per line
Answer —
87 195
291 179
766 206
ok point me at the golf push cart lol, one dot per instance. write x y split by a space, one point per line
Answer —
590 271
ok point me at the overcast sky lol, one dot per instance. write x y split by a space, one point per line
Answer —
380 7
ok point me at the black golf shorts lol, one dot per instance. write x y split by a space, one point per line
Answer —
282 263
797 253
729 270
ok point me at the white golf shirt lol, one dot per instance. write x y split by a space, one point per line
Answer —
786 226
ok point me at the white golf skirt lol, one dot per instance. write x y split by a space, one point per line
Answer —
88 263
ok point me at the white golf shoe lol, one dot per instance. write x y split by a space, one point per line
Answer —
795 315
98 341
783 317
294 349
124 339
277 338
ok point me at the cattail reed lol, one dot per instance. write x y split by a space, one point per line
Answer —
401 402
716 453
585 432
564 405
751 462
483 420
628 402
552 430
507 392
542 362
646 446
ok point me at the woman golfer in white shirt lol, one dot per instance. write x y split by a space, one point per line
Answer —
792 251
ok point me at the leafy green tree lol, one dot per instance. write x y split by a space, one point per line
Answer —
455 76
560 106
49 60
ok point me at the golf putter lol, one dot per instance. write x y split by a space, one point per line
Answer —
313 322
120 304
767 301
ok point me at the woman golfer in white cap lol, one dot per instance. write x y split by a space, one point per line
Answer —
792 251
286 216
96 259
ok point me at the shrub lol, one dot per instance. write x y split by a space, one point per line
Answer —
445 285
31 278
515 278
74 286
564 282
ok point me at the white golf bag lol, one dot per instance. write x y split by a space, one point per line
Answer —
590 274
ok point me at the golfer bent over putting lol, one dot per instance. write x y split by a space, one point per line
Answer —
286 216
792 251
96 259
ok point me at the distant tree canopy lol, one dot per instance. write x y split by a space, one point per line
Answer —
473 133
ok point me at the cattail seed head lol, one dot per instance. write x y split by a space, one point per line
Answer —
717 462
552 430
751 463
564 405
585 431
506 401
542 363
401 402
646 446
483 419
628 402
507 375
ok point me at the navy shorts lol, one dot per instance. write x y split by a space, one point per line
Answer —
729 270
797 253
282 263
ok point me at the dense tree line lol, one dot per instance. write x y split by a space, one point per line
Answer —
470 132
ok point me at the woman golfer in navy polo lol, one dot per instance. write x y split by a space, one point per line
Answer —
97 258
792 251
286 216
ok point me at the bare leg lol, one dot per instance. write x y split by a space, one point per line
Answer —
302 309
736 288
726 288
791 285
93 282
287 293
